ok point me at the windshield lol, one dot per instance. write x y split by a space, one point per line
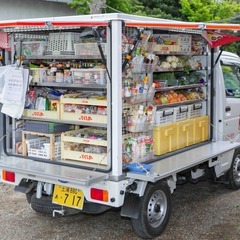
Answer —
231 74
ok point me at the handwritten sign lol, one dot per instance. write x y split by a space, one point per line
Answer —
13 87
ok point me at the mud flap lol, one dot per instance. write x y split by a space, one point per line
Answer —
131 206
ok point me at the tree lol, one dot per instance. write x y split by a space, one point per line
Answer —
208 10
125 6
168 9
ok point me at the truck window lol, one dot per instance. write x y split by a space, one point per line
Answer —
231 77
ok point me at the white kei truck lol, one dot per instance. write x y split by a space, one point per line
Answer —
137 105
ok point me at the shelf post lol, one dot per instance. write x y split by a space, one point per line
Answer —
116 90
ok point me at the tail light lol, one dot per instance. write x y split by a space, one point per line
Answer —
99 194
8 176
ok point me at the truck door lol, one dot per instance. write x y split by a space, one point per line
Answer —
231 76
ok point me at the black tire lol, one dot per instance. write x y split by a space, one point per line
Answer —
233 175
44 205
154 211
29 195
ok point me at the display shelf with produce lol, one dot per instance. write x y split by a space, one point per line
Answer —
181 93
69 85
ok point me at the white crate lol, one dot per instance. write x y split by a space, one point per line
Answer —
89 49
163 117
62 43
180 113
195 110
89 76
40 148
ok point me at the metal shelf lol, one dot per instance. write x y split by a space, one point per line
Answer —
69 85
181 70
180 87
104 125
179 103
180 53
63 57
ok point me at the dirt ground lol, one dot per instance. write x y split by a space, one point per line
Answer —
204 211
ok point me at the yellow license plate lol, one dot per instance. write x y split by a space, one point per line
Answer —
69 197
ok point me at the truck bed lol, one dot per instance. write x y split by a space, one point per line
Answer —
42 171
182 161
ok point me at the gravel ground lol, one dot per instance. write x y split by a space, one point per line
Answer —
204 211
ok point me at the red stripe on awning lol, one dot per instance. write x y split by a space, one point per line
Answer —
52 23
186 25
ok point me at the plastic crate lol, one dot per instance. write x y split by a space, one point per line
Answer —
44 114
90 136
195 110
89 76
180 113
40 148
163 117
185 133
73 143
75 103
201 129
165 138
81 156
47 127
62 43
33 48
89 49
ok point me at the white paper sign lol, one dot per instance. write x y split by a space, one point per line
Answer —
14 101
13 87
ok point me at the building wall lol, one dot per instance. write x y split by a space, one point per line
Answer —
22 9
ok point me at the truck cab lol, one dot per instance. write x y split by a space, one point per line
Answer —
230 65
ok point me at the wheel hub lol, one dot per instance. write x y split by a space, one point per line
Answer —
157 208
236 168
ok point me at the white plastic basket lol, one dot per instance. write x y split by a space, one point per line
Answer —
89 49
180 113
89 76
40 148
163 117
195 110
62 43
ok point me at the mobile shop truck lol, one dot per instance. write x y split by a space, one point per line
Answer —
113 110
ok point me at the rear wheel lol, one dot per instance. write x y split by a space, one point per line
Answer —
154 212
44 205
233 175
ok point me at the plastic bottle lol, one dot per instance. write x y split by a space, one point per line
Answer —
127 92
145 86
152 88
